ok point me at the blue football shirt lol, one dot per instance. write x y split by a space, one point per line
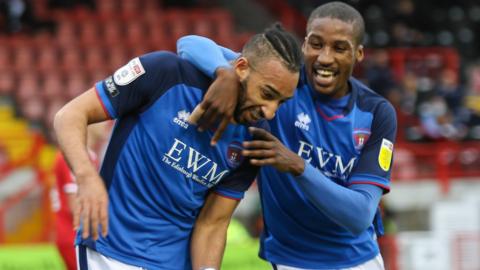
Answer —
158 168
350 140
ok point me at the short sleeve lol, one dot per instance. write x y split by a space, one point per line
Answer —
235 185
375 162
135 85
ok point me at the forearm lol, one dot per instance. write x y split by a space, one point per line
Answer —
204 53
71 131
208 245
353 209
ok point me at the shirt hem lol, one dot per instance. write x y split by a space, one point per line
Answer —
316 266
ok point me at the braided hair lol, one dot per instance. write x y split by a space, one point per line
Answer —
274 42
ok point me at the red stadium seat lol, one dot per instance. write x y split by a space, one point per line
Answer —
97 74
140 49
112 33
75 84
28 86
47 60
118 57
162 43
53 85
94 57
130 9
176 23
158 37
89 33
135 33
23 58
222 22
66 34
201 23
107 8
7 83
5 58
72 59
33 109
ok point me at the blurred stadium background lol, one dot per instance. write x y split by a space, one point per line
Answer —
423 56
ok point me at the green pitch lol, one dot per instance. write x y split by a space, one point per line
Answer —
242 251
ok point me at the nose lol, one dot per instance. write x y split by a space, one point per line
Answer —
325 56
269 110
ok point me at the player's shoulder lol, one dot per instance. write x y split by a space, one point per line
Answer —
166 61
370 101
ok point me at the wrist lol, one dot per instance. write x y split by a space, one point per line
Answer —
297 167
224 71
87 172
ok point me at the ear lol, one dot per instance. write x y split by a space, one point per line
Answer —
359 54
304 45
242 67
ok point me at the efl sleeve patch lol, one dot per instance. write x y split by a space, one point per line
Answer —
385 155
129 72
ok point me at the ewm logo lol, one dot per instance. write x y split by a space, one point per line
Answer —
303 121
331 164
181 118
193 164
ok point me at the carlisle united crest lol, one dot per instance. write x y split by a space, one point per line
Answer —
360 137
234 154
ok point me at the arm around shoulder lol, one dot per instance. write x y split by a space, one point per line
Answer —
204 53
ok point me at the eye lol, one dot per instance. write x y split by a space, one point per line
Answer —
267 94
340 49
316 44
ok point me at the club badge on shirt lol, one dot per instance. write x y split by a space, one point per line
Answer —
360 137
234 154
385 155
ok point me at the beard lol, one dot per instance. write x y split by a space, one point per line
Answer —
241 101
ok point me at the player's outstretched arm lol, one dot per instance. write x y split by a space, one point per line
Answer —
352 208
70 125
210 232
218 104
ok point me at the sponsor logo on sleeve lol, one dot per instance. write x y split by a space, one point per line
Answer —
111 88
385 155
129 72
